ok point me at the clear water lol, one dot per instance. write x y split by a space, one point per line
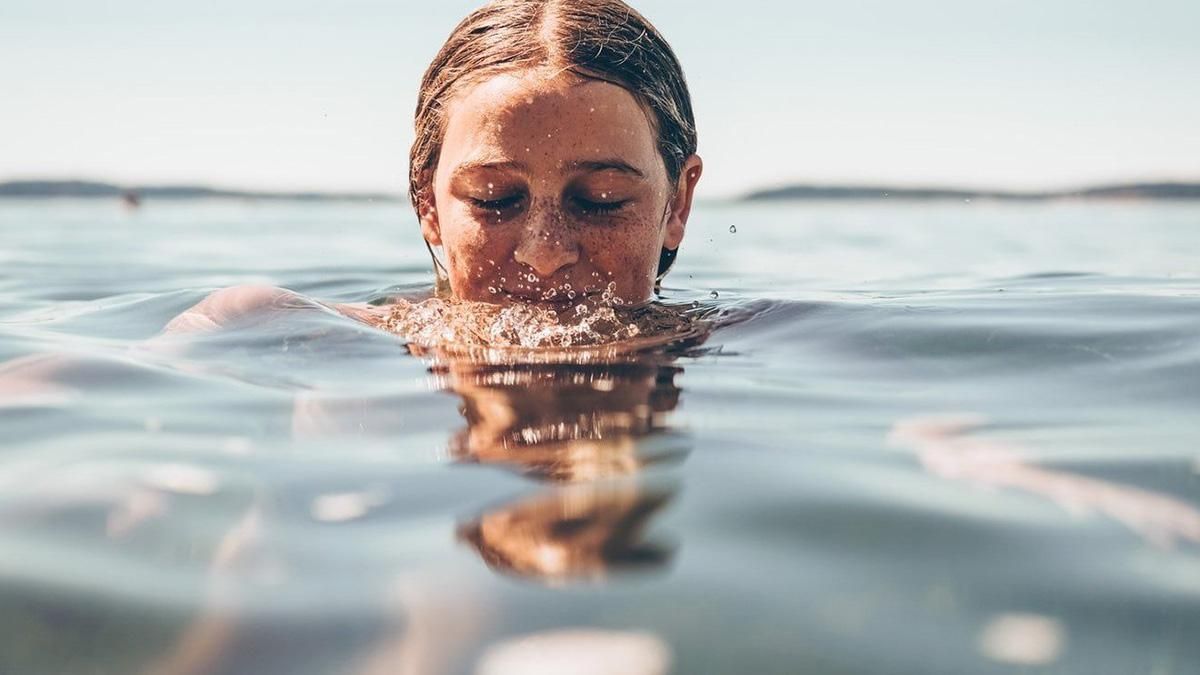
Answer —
940 438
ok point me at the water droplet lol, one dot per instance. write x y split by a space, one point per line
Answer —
714 295
733 229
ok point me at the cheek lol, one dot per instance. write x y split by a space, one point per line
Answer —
473 251
628 248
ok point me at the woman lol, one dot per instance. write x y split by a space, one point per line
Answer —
554 163
555 152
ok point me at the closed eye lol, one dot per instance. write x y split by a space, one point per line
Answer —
497 204
591 208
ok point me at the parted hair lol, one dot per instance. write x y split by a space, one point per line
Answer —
598 39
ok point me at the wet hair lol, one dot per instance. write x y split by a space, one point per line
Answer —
596 39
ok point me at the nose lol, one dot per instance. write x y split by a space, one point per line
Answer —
547 245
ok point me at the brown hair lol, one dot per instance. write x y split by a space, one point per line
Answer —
599 39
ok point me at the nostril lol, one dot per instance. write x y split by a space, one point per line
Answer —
546 254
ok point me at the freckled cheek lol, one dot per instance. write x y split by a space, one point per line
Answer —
475 257
629 251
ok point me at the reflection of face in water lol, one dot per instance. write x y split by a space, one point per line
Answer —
595 427
565 423
577 532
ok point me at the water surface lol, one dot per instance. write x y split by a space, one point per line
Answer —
938 438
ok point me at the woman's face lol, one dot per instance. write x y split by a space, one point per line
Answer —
550 189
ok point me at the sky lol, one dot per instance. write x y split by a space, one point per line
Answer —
300 94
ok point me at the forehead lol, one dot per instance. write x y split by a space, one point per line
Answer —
538 119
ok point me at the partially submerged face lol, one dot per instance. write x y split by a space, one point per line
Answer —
549 188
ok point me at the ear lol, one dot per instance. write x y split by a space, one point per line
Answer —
427 215
681 202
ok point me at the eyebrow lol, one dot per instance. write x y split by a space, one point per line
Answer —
606 164
580 165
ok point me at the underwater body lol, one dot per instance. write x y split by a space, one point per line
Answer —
918 437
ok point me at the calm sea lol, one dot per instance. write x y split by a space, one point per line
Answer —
934 438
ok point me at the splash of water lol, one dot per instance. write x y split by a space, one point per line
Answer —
594 329
439 321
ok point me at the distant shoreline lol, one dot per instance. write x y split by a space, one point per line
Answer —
81 189
1147 191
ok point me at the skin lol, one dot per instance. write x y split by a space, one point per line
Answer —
549 188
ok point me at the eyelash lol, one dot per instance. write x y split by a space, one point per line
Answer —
586 206
498 204
591 208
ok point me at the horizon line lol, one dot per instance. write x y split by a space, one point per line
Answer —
82 187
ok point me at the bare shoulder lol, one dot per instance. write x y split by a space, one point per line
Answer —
229 305
260 302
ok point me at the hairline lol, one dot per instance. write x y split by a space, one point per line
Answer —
582 76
